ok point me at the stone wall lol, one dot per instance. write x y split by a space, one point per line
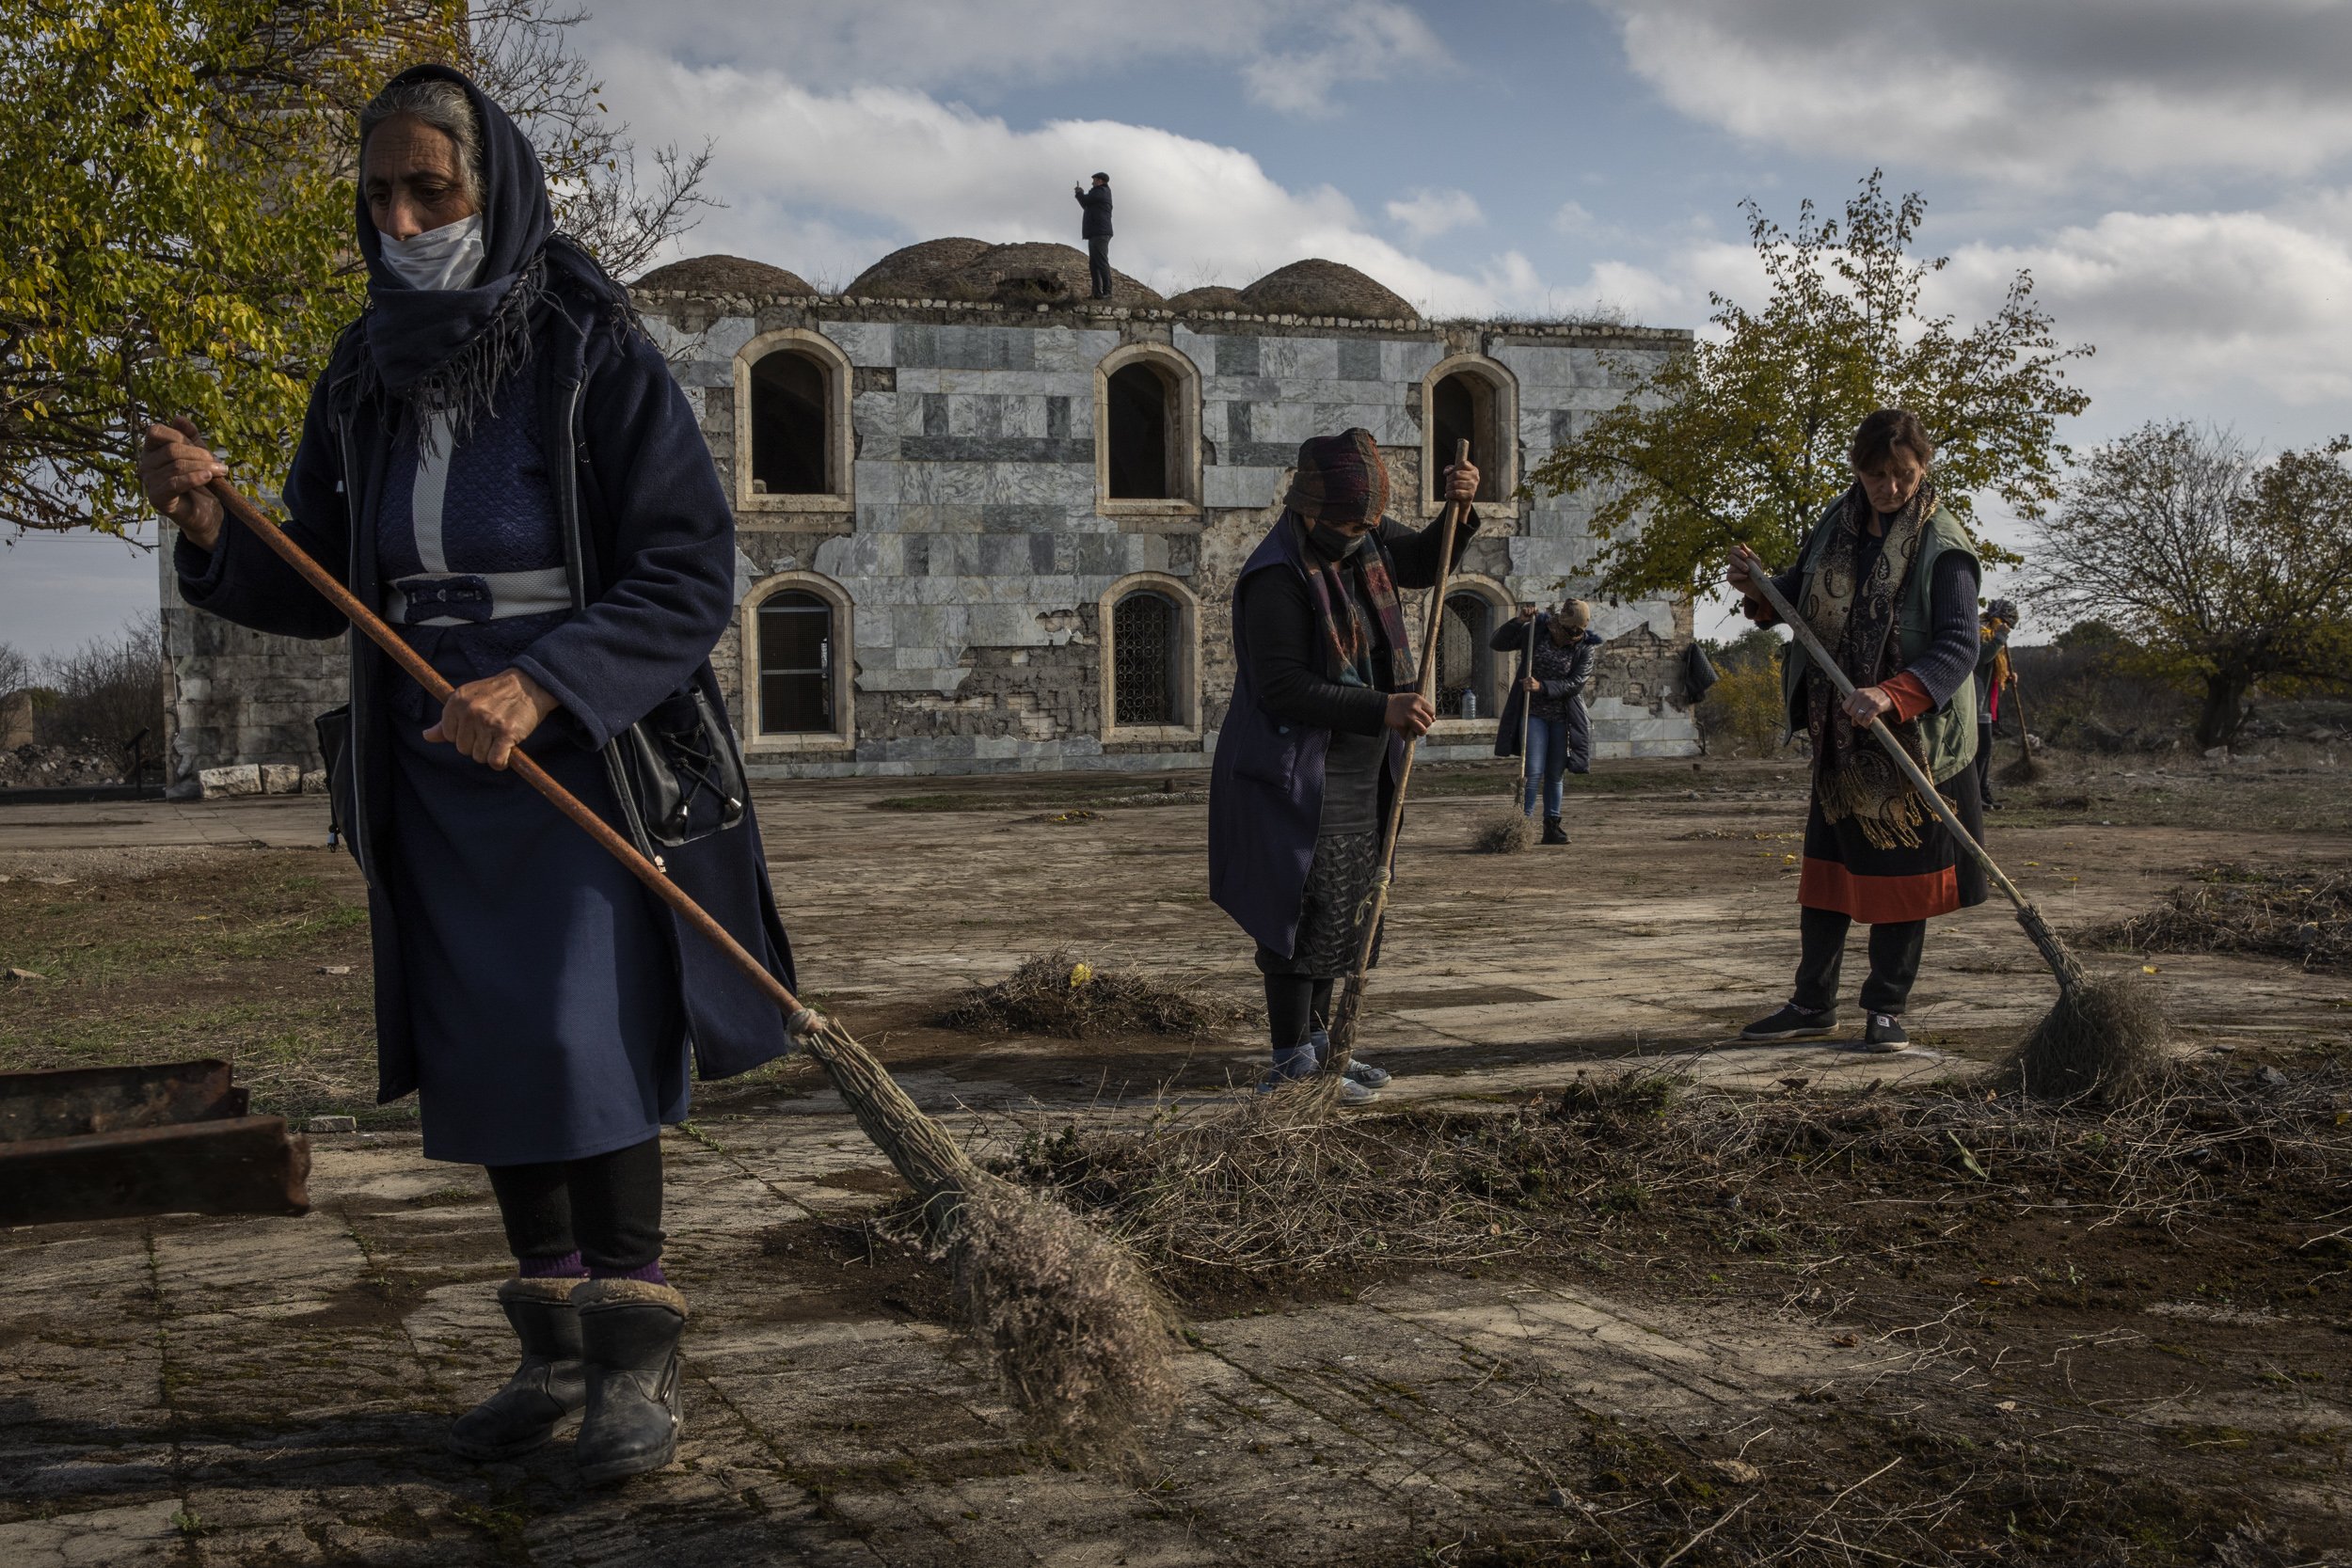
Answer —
971 552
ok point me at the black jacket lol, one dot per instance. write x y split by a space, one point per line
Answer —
1097 201
654 570
1511 637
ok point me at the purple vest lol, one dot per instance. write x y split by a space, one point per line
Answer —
1266 785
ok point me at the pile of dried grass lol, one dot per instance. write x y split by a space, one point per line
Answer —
1502 831
1053 993
2305 917
1266 1189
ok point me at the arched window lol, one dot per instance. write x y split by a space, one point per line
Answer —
790 426
1475 400
1146 431
793 441
797 647
1150 634
1140 403
1146 628
1466 663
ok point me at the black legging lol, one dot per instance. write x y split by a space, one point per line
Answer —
1895 950
1295 1005
607 1208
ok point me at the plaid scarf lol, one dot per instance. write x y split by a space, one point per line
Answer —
1344 634
1853 776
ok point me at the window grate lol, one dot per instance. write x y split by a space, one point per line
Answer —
1143 663
796 642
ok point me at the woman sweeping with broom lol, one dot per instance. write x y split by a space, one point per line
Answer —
1325 690
498 462
1887 580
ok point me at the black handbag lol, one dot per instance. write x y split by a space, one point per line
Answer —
682 775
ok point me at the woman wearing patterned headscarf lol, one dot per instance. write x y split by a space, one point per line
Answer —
1887 580
1324 696
498 459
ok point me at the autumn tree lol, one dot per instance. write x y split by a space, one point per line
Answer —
2218 572
1744 437
176 237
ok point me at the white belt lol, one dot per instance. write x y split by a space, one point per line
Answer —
463 599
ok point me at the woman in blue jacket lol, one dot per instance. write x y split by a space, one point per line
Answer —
498 459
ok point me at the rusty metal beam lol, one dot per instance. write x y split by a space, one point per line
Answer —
75 1100
235 1165
111 1143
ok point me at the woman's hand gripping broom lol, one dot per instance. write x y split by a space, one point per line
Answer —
1066 1313
1376 904
2102 1033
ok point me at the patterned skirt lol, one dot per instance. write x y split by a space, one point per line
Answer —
1339 881
1845 872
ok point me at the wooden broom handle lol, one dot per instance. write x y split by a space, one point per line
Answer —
249 517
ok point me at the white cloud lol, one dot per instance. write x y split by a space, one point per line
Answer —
1428 213
1294 55
2025 91
824 182
2188 310
1363 42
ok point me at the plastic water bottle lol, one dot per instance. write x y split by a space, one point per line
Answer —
1469 704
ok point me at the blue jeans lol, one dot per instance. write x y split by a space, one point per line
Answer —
1548 753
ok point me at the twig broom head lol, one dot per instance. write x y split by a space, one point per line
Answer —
1066 1314
2103 1039
2025 769
1502 831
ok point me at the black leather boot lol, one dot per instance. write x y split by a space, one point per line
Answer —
1552 833
629 1335
546 1390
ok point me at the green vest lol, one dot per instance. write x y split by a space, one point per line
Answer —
1947 735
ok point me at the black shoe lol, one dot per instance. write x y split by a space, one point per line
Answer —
1551 832
629 1336
1792 1023
1883 1032
546 1390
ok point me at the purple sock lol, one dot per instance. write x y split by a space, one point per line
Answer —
566 1267
651 1274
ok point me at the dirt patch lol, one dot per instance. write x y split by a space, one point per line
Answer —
1058 993
846 1270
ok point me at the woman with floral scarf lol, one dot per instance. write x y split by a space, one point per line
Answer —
1887 581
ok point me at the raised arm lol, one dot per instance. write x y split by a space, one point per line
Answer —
222 569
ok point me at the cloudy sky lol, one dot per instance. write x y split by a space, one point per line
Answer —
2176 173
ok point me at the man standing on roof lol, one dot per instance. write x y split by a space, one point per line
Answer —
1097 232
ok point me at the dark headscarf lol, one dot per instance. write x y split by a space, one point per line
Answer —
1340 479
451 349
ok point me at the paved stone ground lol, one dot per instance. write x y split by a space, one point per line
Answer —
198 1392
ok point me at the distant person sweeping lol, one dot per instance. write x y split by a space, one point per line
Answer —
1992 679
1095 228
498 461
1887 580
1323 694
1555 667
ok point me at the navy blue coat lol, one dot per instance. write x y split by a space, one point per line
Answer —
1265 783
637 488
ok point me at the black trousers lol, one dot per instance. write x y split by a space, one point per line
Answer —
607 1208
1099 265
1295 1005
1985 763
1895 950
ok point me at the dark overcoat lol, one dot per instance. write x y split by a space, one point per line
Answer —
652 540
1265 783
1577 743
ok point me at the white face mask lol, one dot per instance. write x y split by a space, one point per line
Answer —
443 257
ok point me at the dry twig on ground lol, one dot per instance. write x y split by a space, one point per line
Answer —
1503 831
